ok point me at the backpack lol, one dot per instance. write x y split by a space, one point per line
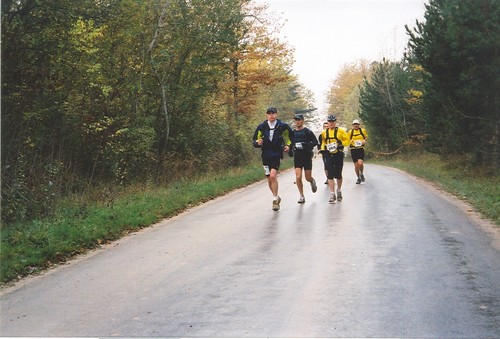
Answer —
334 135
339 142
360 131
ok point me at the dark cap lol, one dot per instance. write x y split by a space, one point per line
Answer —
332 117
298 117
272 110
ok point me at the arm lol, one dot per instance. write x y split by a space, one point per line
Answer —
312 139
344 138
287 137
257 138
322 147
320 138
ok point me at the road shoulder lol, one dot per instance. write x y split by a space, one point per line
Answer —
486 225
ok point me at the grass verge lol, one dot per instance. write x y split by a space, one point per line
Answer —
479 186
82 223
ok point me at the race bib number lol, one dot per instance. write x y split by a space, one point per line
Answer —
358 143
298 145
266 170
332 147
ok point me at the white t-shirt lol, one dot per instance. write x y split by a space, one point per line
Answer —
271 132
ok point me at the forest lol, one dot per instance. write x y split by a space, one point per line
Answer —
442 96
115 92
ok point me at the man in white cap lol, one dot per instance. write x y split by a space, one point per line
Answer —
358 137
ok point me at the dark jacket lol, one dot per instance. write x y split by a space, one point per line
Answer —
281 138
303 142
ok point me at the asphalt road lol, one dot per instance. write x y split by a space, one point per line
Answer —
394 259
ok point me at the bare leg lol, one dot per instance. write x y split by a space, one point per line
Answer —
308 175
298 180
272 181
331 185
361 166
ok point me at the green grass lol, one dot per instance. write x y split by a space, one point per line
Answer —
479 186
81 223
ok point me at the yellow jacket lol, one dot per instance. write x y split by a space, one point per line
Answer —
332 138
356 135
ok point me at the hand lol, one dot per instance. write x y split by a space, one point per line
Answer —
260 142
286 149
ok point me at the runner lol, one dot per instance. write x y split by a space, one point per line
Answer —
333 140
272 136
358 137
304 142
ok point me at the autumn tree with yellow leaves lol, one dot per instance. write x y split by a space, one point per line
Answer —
116 92
343 96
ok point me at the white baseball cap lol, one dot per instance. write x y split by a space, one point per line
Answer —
355 121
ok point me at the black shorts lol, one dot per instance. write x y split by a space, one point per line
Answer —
304 162
357 153
334 165
271 163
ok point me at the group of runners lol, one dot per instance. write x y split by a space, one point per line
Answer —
275 137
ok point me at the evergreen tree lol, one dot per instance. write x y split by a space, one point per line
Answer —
457 45
389 102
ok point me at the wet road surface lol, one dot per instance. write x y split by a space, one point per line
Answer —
394 259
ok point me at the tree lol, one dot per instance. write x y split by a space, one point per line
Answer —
389 102
343 95
457 45
111 92
41 138
260 61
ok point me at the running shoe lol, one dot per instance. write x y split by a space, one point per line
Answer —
358 181
362 178
276 204
314 187
339 196
301 200
332 198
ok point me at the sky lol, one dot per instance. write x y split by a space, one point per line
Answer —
327 34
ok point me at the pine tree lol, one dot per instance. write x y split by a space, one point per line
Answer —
457 45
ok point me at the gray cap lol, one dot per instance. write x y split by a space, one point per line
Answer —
298 117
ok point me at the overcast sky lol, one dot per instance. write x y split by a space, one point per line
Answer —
326 34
